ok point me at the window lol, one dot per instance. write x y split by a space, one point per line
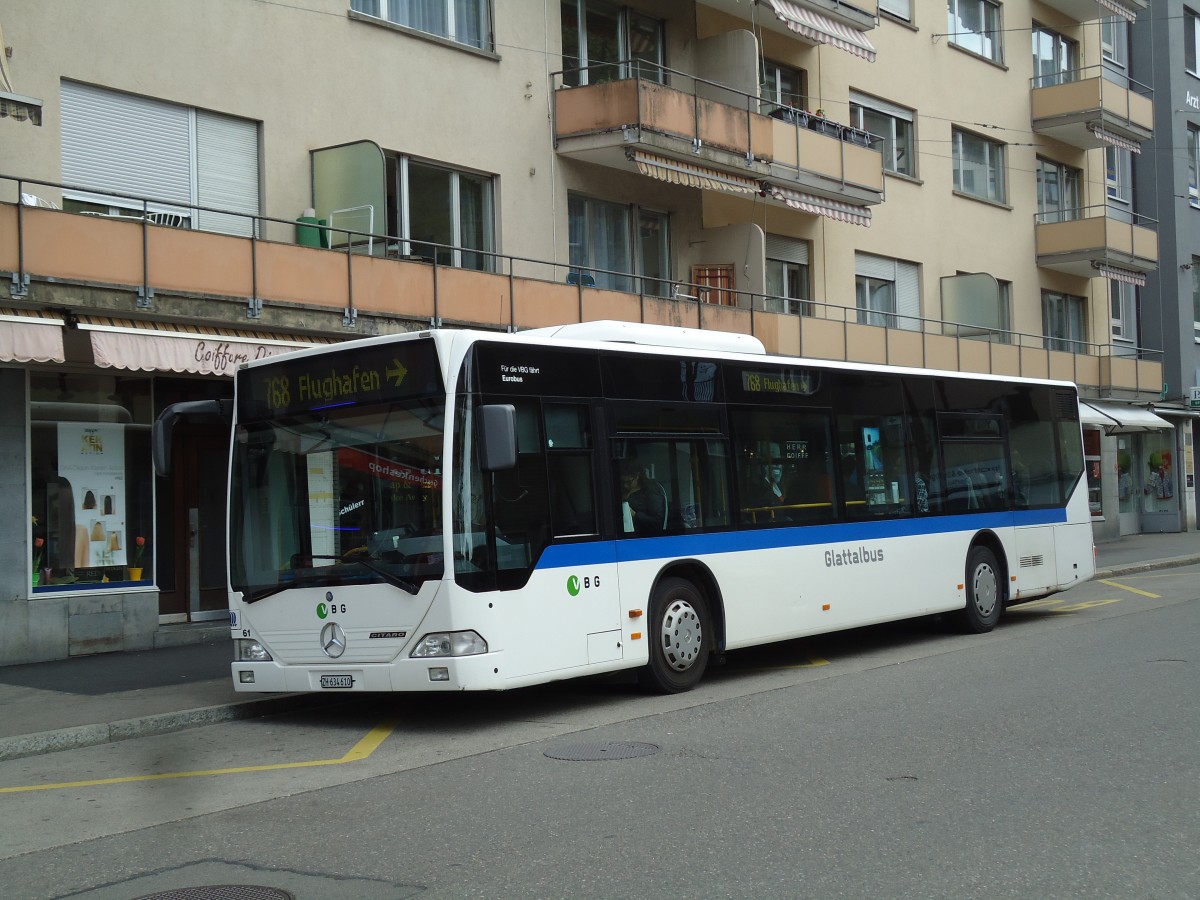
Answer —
1193 160
440 213
1064 322
1191 40
602 42
1055 58
1091 461
781 86
1118 180
784 467
975 25
892 123
149 148
887 292
979 167
1114 47
1196 296
601 237
1058 191
787 276
1123 300
901 9
463 21
92 486
872 463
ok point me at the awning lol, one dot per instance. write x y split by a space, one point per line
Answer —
822 206
1116 273
1089 416
143 346
1115 139
1129 419
821 29
1119 8
676 172
30 337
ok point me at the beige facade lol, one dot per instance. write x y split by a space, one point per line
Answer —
673 189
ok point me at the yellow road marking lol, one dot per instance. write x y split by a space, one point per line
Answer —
358 752
1086 604
1131 590
807 664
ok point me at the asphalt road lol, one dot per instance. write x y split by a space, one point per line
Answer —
1056 757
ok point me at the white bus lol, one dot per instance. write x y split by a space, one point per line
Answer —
456 510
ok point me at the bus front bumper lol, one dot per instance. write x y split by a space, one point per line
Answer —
466 673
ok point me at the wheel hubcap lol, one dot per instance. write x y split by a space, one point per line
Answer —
985 590
682 636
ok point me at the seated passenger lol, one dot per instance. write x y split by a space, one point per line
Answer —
643 501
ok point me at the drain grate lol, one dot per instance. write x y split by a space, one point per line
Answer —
593 750
222 892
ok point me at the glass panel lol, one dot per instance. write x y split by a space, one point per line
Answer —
653 249
603 48
669 486
430 214
352 179
475 218
571 61
784 466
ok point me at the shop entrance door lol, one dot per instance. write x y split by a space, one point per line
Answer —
192 526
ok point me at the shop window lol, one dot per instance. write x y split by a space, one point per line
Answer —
1091 459
92 482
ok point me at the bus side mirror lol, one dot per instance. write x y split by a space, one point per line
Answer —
497 436
160 443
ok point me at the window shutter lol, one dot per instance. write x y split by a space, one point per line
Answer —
226 172
114 142
786 249
875 266
908 296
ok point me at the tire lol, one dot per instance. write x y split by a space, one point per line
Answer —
680 638
984 592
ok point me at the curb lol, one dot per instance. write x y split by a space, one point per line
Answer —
1146 566
74 738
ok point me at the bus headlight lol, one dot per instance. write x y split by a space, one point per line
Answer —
250 651
450 643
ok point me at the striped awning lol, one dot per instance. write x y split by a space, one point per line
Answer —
1115 139
150 346
821 29
1119 8
676 172
1116 273
823 206
30 336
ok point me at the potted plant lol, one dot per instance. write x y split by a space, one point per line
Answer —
139 548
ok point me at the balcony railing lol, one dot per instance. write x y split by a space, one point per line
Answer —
633 104
122 265
1086 108
1082 241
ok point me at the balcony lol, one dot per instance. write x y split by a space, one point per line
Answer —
1088 110
1089 10
716 133
174 282
1097 240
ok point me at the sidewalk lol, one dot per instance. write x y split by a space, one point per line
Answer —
113 696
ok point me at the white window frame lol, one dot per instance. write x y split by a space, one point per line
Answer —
1066 309
625 18
1069 181
1191 42
1193 155
1123 304
986 41
1114 48
898 282
1118 183
656 285
771 90
395 13
784 256
405 213
583 247
993 165
899 131
901 9
1062 59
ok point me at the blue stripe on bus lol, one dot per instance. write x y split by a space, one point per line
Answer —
559 556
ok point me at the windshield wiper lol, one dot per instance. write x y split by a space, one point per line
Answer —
299 581
367 562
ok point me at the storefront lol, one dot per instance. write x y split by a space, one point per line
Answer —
1131 456
112 553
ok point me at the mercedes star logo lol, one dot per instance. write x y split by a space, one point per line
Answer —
333 640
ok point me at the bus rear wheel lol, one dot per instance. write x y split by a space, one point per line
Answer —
984 600
680 637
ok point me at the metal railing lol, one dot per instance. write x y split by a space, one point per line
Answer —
694 297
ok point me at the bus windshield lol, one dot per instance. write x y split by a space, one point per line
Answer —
344 495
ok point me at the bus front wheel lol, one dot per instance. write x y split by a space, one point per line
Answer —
680 637
984 586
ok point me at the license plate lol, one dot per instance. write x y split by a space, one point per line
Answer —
337 681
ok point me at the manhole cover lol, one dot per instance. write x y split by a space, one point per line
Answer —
222 892
603 750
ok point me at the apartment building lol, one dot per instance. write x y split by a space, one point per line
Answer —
941 183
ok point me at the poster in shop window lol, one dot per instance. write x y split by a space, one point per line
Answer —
91 456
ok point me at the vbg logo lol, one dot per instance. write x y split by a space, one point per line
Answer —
575 584
322 610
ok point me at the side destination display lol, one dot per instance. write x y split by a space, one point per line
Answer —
346 378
